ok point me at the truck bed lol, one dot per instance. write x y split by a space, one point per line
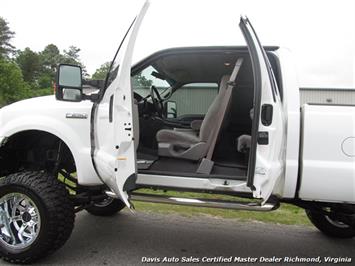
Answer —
327 155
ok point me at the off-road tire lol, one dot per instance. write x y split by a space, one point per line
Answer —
55 209
109 209
329 227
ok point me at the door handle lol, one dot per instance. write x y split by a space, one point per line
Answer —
110 112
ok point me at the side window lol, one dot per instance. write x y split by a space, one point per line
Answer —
142 82
194 98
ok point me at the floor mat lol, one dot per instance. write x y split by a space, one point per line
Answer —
171 166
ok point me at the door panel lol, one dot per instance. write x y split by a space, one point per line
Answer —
266 162
115 154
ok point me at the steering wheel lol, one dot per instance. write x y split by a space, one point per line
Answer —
157 101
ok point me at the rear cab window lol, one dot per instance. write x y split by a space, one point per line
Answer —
194 98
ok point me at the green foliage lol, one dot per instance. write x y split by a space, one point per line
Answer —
12 85
39 69
6 48
30 64
40 92
30 73
141 81
101 72
50 57
45 80
71 56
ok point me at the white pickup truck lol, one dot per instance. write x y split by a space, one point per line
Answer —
214 120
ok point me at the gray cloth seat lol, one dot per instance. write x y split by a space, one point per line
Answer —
189 145
182 138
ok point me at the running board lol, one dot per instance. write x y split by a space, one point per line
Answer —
220 204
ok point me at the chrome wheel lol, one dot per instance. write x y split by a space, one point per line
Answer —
336 223
36 216
106 207
104 203
20 221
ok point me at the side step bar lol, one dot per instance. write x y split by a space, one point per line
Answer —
221 204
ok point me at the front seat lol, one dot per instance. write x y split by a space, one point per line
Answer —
189 145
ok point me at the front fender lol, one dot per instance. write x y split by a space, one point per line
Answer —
75 133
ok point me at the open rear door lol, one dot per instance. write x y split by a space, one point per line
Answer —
113 130
266 161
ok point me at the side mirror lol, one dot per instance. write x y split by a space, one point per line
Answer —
69 83
171 109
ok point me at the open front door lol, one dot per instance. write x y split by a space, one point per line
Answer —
113 130
266 161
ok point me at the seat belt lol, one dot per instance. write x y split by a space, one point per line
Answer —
206 164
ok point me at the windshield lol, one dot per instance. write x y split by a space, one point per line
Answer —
142 82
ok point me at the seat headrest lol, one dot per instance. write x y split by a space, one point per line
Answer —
223 83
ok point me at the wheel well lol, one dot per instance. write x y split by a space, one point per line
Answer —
35 150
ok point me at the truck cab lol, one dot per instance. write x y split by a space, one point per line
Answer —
223 120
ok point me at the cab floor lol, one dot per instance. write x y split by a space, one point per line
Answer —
152 164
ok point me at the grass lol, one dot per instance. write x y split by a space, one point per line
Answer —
286 214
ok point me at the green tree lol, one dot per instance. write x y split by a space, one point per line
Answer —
71 56
101 72
45 81
30 64
141 81
6 35
13 87
50 58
